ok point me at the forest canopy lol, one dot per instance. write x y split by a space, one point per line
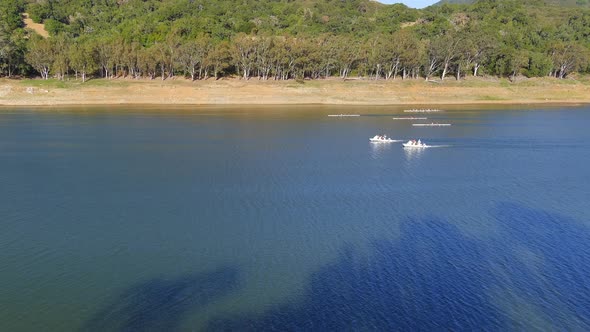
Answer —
292 39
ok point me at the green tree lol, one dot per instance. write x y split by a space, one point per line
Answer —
540 64
218 59
82 60
60 49
192 56
244 54
41 55
512 62
147 60
104 55
568 57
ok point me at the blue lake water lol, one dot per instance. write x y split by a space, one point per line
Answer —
282 218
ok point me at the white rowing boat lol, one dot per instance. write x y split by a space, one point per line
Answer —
412 144
382 139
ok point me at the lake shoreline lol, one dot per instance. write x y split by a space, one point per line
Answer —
355 92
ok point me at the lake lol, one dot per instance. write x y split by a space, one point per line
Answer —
282 218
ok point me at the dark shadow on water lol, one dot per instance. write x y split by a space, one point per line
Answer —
435 278
430 279
560 283
160 305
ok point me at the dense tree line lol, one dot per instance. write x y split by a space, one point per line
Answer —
291 39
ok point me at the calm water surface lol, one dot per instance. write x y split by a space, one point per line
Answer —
287 219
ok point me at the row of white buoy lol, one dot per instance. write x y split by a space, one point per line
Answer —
432 124
428 110
410 143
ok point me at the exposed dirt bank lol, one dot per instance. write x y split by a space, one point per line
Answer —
332 91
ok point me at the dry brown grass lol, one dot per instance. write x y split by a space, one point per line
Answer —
330 91
36 27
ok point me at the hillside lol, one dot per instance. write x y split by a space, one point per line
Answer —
561 3
147 20
292 39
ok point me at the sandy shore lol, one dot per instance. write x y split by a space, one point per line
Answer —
329 92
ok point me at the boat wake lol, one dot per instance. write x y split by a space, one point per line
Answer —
431 124
386 141
406 147
438 146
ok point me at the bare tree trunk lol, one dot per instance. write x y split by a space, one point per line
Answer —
432 65
444 73
562 71
378 73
